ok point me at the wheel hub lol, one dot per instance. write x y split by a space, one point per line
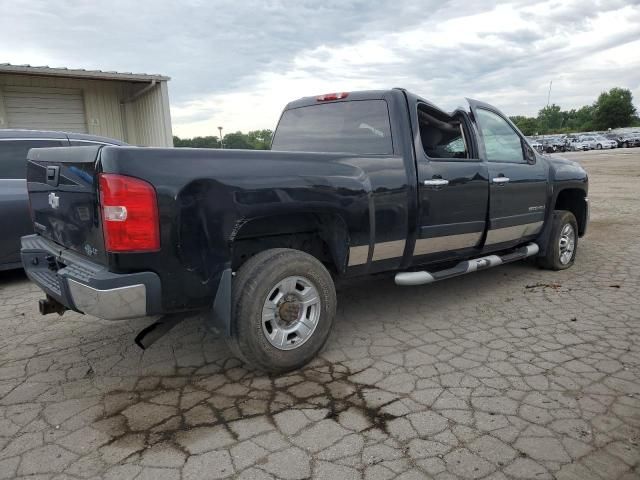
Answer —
567 243
289 311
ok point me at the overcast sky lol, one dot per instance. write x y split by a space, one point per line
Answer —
237 63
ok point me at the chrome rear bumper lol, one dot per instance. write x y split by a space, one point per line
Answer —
87 287
110 304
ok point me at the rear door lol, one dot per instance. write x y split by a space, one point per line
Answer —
452 187
517 180
14 203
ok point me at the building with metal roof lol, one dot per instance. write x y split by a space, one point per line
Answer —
132 107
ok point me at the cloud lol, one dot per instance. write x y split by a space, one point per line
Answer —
236 64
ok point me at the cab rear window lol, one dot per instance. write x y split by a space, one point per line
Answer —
360 126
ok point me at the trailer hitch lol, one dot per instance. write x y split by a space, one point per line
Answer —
51 305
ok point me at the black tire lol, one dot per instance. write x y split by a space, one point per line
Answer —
625 145
252 284
552 260
599 147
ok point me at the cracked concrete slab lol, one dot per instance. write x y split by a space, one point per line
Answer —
510 373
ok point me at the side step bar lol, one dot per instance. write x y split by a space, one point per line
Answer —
467 266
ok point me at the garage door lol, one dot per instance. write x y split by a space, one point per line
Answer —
40 108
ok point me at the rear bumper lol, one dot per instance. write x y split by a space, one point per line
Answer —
87 287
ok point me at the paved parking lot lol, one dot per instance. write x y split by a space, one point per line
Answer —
512 372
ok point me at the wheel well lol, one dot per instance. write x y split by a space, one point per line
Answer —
572 199
324 236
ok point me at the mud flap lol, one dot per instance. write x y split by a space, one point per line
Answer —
542 240
219 318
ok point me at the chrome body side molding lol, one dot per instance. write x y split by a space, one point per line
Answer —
426 246
385 250
358 255
499 235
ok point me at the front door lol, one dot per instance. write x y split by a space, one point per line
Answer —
452 188
517 180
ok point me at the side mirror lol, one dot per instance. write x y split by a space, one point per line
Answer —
529 154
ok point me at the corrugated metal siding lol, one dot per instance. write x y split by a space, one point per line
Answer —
3 112
150 105
102 104
145 121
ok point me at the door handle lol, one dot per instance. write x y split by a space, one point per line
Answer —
436 182
501 180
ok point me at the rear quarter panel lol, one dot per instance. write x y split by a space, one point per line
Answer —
205 196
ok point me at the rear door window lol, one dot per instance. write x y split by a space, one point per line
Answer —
359 126
13 155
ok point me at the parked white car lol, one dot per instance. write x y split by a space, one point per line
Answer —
588 140
604 142
577 144
535 144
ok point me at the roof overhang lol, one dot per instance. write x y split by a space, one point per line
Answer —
80 73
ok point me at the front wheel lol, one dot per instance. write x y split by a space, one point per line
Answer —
284 303
563 242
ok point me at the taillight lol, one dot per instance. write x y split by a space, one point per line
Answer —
129 214
331 96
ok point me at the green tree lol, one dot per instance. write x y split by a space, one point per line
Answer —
197 142
260 139
237 140
527 125
614 109
579 120
550 119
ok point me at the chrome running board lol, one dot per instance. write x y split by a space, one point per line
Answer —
467 266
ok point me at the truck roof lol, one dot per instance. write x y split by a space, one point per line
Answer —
364 95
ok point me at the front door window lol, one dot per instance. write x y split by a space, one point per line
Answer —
501 142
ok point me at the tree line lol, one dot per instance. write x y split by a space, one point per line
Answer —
612 109
253 140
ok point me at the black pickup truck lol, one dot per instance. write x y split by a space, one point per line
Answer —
356 183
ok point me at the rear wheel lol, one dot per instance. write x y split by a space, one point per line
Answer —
563 243
284 304
599 147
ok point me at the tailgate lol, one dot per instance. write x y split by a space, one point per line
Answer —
63 195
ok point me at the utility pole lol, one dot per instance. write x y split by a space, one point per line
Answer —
547 122
221 144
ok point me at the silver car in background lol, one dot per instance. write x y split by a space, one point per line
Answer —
604 142
14 204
